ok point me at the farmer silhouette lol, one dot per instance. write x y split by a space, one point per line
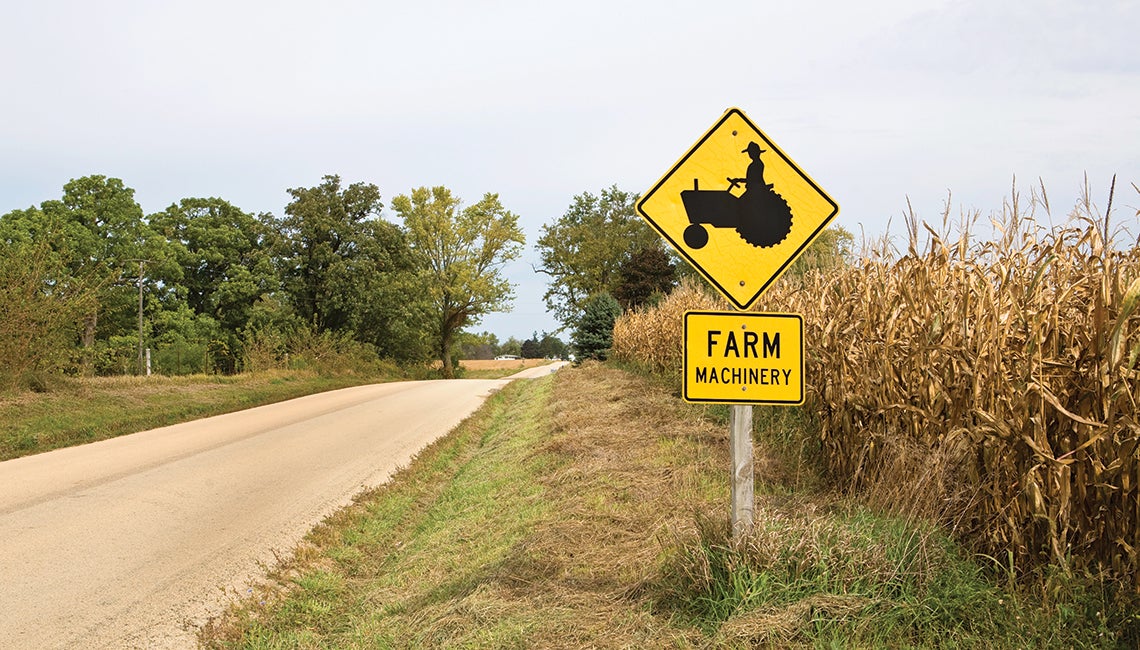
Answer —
754 175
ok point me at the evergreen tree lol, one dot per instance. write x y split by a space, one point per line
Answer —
595 332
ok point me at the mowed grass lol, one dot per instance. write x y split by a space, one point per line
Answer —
589 510
77 411
523 528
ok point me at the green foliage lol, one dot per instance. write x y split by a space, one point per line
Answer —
461 253
108 236
267 336
594 335
484 345
511 346
852 578
93 236
221 261
219 267
42 303
114 355
584 250
547 346
832 249
395 308
186 342
644 275
320 243
104 224
344 270
332 354
223 290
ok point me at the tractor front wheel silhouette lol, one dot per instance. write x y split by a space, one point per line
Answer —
696 236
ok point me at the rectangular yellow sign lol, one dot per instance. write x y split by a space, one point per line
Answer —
744 358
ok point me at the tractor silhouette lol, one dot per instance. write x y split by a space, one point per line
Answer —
760 215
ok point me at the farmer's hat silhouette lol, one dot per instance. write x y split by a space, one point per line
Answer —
753 149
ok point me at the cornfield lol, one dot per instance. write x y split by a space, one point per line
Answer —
993 384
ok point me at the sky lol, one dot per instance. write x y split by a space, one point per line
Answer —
880 101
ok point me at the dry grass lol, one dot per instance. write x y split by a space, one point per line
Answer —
654 337
622 478
535 524
992 384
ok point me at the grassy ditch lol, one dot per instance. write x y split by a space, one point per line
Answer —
589 509
77 411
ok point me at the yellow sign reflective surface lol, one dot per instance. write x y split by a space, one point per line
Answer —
737 208
744 358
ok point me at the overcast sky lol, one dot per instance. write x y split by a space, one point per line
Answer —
877 100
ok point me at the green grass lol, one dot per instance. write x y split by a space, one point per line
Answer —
852 579
427 540
77 411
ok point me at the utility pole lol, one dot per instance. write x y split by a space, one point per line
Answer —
142 368
142 364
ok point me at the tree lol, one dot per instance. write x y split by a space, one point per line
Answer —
462 253
583 251
484 345
643 274
530 348
223 268
594 335
551 347
832 248
108 237
512 347
347 271
546 346
319 243
222 255
98 234
389 308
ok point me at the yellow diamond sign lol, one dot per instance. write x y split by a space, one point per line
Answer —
737 208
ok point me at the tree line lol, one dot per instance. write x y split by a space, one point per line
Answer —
486 345
88 280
